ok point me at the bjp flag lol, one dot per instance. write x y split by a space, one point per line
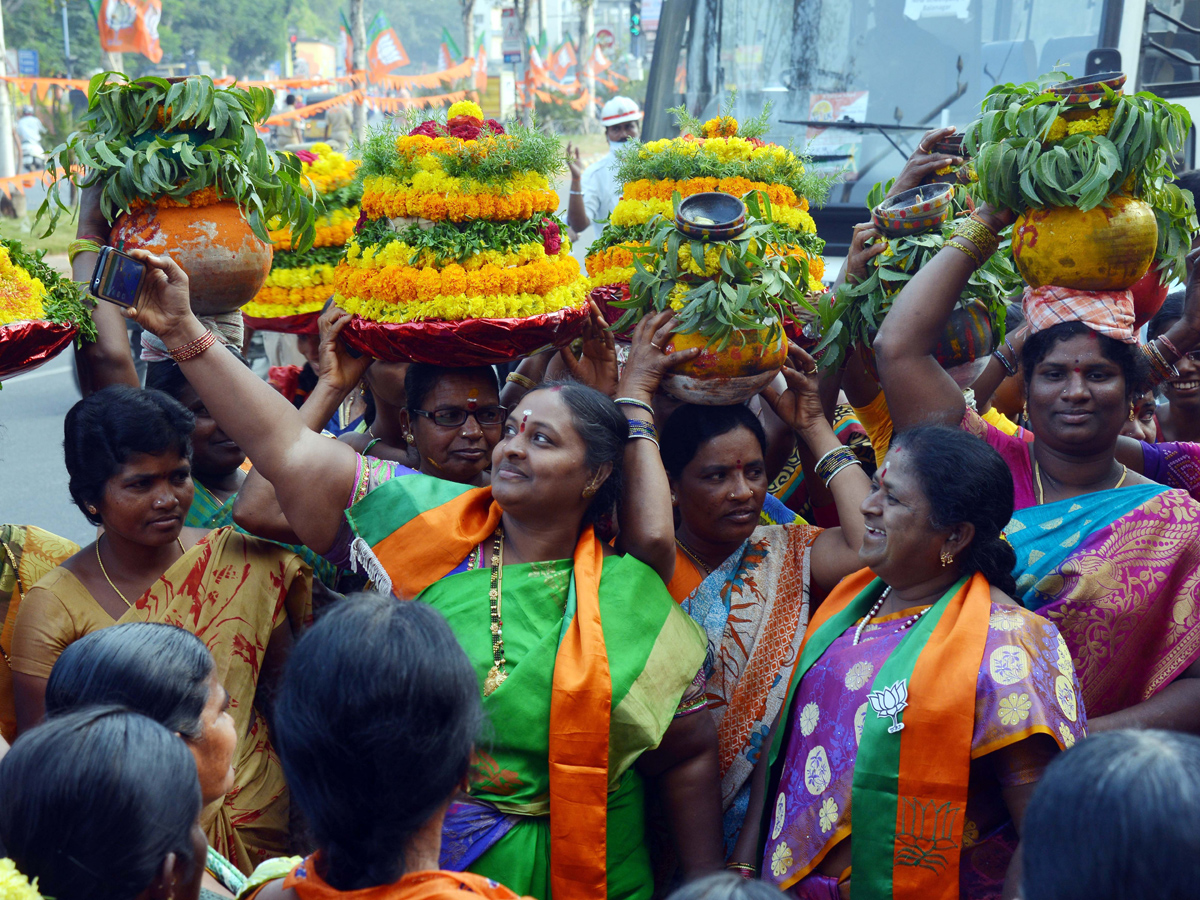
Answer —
129 26
384 50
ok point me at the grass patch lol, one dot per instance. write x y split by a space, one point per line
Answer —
29 233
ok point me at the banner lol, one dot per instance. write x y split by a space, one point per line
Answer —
384 50
429 79
129 26
383 103
481 66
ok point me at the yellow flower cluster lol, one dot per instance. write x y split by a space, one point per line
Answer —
419 147
721 126
711 263
1097 123
451 308
726 149
612 275
20 294
196 199
334 229
385 197
677 295
793 217
397 253
464 108
14 885
645 189
331 171
293 292
620 257
639 212
405 284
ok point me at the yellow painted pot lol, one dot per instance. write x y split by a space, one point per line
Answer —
724 377
1104 249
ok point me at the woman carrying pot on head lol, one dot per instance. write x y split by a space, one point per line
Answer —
102 802
747 584
127 454
166 673
925 703
1101 548
583 659
448 420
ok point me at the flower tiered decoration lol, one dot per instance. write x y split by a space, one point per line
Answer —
1088 170
300 283
460 259
718 155
717 264
40 310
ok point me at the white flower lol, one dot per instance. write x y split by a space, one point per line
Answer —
890 702
808 718
829 814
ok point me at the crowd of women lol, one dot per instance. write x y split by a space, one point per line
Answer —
564 636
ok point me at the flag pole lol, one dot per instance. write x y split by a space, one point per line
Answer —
8 164
358 36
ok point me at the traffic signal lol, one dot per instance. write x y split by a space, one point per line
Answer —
635 17
295 58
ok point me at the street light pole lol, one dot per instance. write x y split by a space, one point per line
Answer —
66 39
8 164
358 28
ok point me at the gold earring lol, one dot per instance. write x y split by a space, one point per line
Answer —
408 438
1132 413
947 557
589 492
674 499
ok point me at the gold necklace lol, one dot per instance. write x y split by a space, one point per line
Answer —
497 674
1037 477
104 571
691 554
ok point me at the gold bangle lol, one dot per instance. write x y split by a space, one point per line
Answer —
524 381
967 250
980 235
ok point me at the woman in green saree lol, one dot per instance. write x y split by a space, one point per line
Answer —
583 659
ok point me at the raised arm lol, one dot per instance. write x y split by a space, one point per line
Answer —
835 552
645 513
918 390
312 475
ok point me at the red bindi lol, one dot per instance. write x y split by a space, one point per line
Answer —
472 400
525 414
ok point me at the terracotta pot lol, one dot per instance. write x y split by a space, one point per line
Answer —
225 263
1149 292
963 347
1104 249
725 377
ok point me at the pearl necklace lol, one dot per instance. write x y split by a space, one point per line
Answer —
874 611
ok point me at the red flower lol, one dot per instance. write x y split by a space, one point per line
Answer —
428 128
551 237
464 128
362 220
307 156
495 126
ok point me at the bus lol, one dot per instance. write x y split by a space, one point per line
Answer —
858 82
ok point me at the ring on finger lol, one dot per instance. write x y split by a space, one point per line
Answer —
656 346
812 371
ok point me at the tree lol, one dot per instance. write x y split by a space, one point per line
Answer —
37 25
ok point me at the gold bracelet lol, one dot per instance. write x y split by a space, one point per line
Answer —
965 249
980 235
81 245
192 349
524 381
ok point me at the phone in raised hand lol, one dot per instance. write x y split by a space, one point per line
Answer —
117 277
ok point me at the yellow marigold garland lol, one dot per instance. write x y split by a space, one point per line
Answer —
398 253
14 885
389 198
21 294
620 256
612 275
463 306
331 171
292 292
334 229
464 108
404 284
645 189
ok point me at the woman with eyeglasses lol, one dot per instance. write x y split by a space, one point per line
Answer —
590 673
1179 418
436 420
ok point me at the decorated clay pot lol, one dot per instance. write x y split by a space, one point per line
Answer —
915 211
225 263
963 346
1104 249
1149 293
724 377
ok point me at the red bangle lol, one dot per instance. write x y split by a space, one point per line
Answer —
192 349
1166 342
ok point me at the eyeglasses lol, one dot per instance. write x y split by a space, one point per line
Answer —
1193 356
453 416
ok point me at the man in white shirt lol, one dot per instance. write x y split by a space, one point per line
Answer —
29 127
594 193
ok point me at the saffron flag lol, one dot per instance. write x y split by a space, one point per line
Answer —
563 62
345 45
450 45
445 60
481 72
384 50
129 26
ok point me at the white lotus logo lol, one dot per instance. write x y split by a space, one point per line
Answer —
890 702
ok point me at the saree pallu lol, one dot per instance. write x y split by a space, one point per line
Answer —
754 609
1118 572
26 554
207 511
232 592
652 653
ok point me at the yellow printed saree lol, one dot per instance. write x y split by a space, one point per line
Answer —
231 591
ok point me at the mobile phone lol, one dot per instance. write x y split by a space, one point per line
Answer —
117 277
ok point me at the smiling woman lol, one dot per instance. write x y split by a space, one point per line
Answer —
127 455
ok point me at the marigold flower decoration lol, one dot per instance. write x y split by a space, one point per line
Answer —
655 171
14 885
31 291
301 283
458 223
